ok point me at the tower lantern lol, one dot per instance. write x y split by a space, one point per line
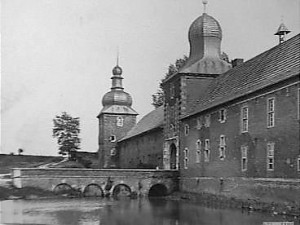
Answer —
282 31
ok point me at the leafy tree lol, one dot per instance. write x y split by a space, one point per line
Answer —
66 130
20 151
158 97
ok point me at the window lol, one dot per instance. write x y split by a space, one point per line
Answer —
185 158
172 90
222 147
171 127
207 120
270 156
199 123
198 151
298 164
222 115
271 112
120 121
113 151
206 150
244 119
244 158
112 138
186 129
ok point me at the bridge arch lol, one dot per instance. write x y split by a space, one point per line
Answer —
93 190
121 190
62 188
157 190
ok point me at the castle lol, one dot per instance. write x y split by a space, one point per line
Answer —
219 119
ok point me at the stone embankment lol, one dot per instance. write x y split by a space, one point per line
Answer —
248 205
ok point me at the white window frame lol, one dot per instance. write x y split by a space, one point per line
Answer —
199 123
244 119
172 90
222 147
206 150
186 129
271 112
222 115
270 156
244 158
186 158
120 121
198 151
113 151
298 163
207 120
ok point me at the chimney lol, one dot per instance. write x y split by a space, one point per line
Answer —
236 62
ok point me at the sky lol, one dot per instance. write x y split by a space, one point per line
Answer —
57 55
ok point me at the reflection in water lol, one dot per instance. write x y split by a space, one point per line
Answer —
122 212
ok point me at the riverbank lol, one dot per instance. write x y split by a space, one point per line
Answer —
249 205
205 199
12 193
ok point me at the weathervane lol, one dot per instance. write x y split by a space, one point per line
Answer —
204 5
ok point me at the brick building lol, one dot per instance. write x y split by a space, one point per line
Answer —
142 146
115 119
219 119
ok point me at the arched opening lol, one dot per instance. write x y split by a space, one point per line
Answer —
173 152
63 188
93 190
158 190
121 190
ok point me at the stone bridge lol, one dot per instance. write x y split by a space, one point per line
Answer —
98 182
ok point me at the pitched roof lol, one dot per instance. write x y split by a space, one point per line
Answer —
277 64
152 120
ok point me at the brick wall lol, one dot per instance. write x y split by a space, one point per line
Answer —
107 128
143 151
262 189
284 135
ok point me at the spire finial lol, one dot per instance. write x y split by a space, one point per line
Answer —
204 2
118 56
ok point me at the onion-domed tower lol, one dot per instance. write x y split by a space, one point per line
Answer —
115 119
184 88
205 36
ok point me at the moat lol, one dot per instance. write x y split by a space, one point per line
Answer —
105 211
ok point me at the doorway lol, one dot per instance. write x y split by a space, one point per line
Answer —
173 152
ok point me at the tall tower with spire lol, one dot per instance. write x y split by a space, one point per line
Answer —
115 119
182 89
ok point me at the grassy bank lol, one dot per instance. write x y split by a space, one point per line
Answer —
24 161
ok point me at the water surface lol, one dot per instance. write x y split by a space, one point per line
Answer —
141 211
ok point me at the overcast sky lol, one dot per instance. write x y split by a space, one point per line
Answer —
57 55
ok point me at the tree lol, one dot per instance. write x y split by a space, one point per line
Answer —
20 151
158 97
66 130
